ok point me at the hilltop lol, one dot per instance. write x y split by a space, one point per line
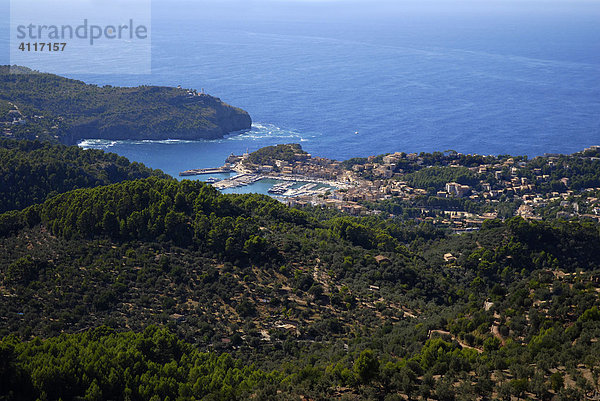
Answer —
36 105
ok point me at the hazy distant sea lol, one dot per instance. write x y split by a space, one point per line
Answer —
489 77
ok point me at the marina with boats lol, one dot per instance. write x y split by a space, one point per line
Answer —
283 186
296 176
286 189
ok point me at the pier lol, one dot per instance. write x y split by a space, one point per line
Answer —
240 180
200 171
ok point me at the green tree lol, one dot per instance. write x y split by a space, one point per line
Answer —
366 366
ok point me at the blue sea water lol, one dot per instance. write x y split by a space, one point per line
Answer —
174 156
476 76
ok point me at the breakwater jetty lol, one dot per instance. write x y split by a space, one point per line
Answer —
200 171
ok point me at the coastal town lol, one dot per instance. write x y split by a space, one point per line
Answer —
447 189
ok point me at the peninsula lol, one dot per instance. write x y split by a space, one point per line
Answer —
36 105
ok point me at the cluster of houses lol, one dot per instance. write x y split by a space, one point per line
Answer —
358 188
13 117
302 165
